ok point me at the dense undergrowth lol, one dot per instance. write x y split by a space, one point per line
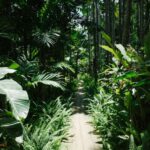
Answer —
120 107
49 128
29 121
46 44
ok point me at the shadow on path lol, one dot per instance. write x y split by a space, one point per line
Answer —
82 135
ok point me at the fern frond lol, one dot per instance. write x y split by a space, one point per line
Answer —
64 66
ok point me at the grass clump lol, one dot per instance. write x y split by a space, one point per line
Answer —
50 127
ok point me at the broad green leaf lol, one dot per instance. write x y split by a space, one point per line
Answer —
111 50
123 52
142 82
17 98
14 66
128 75
4 71
107 38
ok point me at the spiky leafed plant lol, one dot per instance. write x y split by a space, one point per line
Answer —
47 132
30 74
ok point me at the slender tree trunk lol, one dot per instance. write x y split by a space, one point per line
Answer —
141 15
96 39
113 21
127 18
147 17
120 20
107 25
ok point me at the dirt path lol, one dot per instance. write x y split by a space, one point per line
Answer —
82 135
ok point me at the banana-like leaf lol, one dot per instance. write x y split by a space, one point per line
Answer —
123 52
16 96
111 50
5 70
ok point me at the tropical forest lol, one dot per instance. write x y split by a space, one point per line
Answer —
74 74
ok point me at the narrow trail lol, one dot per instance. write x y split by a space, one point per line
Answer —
82 135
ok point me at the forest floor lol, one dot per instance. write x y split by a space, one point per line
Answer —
82 136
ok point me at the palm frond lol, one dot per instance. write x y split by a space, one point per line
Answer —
64 66
46 38
50 79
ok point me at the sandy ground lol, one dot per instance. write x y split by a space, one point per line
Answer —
82 135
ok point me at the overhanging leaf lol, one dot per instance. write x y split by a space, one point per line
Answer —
16 96
52 83
50 79
5 70
123 52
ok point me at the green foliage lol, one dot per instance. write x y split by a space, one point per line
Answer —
88 83
14 106
45 39
108 118
47 79
49 129
120 110
4 71
64 66
17 98
132 143
29 74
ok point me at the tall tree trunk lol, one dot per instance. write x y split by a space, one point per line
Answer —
127 19
121 16
107 25
141 16
96 39
89 40
113 21
147 17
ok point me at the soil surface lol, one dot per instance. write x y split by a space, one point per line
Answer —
82 135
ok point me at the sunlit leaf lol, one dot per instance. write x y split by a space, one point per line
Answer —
17 98
5 70
128 75
111 50
123 52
